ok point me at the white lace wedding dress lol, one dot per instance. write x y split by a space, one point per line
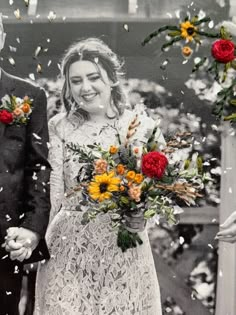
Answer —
88 274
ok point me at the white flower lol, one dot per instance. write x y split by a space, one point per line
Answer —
5 100
19 101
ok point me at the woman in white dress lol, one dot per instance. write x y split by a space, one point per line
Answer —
88 274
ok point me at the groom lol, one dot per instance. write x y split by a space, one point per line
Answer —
24 180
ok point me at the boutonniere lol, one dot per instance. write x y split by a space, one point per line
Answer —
15 110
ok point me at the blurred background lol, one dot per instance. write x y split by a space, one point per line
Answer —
39 32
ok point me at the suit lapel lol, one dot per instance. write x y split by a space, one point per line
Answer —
6 87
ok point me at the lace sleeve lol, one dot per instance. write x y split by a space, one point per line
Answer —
56 161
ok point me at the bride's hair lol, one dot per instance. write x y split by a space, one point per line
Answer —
97 52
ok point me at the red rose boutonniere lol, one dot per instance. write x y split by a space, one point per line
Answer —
15 110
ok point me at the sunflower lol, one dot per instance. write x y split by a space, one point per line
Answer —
102 186
188 30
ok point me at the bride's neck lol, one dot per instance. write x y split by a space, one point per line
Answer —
101 119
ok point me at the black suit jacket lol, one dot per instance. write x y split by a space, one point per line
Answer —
24 169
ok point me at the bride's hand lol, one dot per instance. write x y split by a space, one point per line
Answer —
135 222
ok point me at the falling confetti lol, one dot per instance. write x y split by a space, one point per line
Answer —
49 63
209 245
18 40
37 16
17 14
185 61
52 16
37 51
11 2
48 40
32 76
11 61
169 15
64 18
211 24
12 49
126 27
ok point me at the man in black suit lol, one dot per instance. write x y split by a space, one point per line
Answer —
24 186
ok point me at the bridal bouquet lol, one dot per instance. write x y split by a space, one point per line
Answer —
127 179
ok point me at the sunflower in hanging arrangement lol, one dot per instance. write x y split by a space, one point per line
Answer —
187 30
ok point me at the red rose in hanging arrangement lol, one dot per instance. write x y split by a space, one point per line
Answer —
223 50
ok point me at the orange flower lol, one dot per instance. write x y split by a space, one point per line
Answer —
113 149
26 108
186 51
138 178
100 166
135 193
130 175
122 188
120 169
17 112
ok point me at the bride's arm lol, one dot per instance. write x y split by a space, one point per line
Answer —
56 161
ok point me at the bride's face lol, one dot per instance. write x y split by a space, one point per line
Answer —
90 87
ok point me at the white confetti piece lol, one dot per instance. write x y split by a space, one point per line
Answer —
21 216
8 292
214 127
37 51
11 2
16 269
34 177
126 27
230 190
49 63
32 76
37 16
169 15
17 14
182 92
220 273
185 61
1 189
31 22
52 16
8 218
11 61
197 60
59 66
211 24
64 18
209 245
48 40
18 40
64 238
96 60
12 49
181 240
36 136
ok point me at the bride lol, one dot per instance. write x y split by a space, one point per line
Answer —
88 274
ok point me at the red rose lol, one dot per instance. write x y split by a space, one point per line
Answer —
6 117
154 164
223 50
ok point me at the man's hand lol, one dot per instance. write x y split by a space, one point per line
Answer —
228 230
20 243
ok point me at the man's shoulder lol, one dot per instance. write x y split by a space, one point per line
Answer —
20 83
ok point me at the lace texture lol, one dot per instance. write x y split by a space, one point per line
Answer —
87 273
